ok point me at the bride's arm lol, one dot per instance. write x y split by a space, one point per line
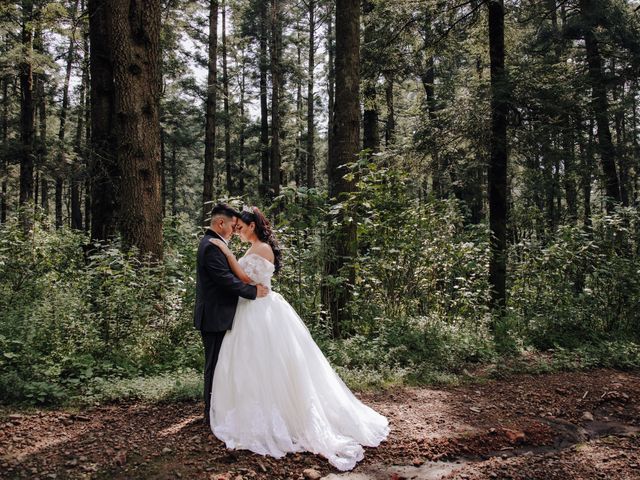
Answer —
233 262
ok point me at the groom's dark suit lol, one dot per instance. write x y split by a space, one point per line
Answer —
217 292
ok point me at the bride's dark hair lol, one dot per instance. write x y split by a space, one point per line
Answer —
264 232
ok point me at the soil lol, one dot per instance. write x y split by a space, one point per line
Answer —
575 425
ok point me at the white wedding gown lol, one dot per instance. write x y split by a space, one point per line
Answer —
274 391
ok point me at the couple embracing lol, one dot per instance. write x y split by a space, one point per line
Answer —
268 387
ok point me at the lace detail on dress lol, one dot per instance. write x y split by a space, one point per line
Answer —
259 269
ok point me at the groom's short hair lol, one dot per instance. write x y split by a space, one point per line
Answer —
223 209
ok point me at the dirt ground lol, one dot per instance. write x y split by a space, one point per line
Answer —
583 425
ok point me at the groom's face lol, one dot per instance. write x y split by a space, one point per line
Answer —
226 226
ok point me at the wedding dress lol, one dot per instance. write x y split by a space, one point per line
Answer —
274 391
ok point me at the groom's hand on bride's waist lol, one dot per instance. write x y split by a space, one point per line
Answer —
262 291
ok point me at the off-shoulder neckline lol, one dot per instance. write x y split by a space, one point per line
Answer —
259 256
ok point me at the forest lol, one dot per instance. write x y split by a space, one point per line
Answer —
451 181
455 185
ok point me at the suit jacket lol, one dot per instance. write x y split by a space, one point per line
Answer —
217 288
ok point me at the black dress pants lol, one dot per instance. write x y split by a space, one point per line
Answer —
212 342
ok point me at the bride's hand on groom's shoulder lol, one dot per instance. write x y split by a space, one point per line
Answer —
221 245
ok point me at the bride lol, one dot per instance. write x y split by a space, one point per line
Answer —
274 391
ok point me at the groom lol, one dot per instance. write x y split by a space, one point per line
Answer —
217 292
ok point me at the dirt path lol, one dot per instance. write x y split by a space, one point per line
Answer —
557 426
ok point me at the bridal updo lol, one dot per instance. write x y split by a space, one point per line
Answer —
264 232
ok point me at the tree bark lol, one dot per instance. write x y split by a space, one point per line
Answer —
41 182
242 134
4 201
210 115
600 104
311 158
390 127
548 160
331 78
104 172
344 150
264 111
636 144
438 169
586 166
498 158
299 168
570 172
174 182
44 195
371 131
623 164
76 183
86 108
87 131
276 85
27 114
163 170
135 30
227 119
62 158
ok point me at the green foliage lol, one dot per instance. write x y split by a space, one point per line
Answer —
70 319
92 323
169 386
582 287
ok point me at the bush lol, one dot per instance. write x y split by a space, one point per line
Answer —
69 319
106 324
581 288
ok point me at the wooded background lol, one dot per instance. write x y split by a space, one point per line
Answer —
451 180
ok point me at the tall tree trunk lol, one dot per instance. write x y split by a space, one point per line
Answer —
36 183
600 103
311 157
299 167
62 159
498 158
135 30
174 182
86 109
42 151
478 174
227 118
331 77
438 169
390 127
59 191
636 145
548 160
570 171
241 135
344 150
44 195
371 131
210 128
276 85
104 172
586 167
163 170
265 167
4 201
76 182
623 164
27 114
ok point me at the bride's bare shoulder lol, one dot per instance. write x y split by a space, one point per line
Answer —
264 250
